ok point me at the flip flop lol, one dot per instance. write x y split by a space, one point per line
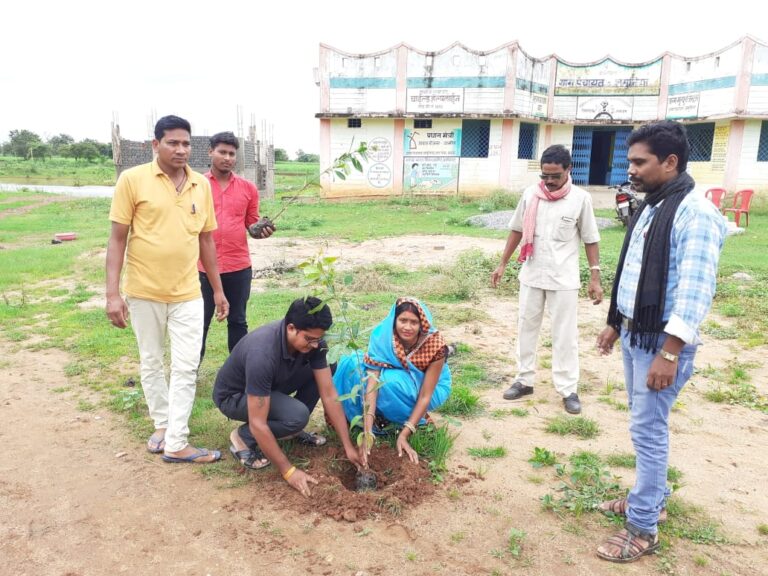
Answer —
250 459
192 458
155 445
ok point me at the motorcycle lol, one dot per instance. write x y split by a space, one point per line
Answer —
626 202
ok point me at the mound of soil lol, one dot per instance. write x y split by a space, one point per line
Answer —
401 484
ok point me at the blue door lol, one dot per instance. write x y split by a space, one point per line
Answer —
581 152
620 164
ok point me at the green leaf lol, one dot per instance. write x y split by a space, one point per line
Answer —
340 174
360 439
356 164
354 422
348 279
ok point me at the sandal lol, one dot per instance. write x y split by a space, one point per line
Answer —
251 459
194 458
630 542
618 507
310 438
156 444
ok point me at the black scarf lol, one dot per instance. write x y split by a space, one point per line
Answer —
648 315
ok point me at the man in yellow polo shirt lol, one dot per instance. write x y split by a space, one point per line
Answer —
163 212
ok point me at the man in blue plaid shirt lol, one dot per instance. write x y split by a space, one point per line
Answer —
665 282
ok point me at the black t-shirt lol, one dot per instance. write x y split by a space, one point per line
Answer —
261 363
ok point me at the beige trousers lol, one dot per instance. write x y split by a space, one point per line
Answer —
170 403
562 306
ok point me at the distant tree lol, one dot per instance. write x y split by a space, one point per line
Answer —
40 151
5 149
89 150
281 155
56 142
302 156
21 141
80 150
104 149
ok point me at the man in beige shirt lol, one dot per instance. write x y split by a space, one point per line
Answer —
551 221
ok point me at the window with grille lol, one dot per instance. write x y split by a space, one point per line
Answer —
526 145
762 147
475 136
422 123
354 123
700 137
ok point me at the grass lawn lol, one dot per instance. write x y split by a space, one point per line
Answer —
43 287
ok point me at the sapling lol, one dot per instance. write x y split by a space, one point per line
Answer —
340 168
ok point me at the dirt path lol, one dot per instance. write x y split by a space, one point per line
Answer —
78 496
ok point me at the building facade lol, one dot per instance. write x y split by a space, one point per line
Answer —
461 121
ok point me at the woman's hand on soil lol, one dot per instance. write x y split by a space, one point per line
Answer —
403 446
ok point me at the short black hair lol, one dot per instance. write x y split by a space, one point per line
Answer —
224 138
307 313
663 139
557 154
170 123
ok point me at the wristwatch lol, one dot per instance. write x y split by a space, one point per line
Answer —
668 355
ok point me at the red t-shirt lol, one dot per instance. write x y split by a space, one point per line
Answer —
237 207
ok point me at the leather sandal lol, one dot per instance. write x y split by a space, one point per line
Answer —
618 507
250 459
632 543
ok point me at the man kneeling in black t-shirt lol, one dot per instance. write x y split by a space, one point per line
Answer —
254 384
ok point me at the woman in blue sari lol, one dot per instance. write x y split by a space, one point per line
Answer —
405 371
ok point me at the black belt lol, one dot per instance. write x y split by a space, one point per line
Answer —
626 323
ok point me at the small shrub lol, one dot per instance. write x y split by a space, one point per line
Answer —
434 443
624 460
579 426
515 542
488 452
585 482
463 401
542 457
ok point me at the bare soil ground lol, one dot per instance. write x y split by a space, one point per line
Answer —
79 496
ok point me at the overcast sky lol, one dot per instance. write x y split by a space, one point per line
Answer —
68 66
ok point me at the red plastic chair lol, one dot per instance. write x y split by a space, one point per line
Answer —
716 195
741 203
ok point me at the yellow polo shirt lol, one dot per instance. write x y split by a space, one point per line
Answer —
163 242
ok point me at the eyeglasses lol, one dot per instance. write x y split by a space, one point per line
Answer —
311 341
555 177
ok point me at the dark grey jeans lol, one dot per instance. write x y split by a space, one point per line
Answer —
288 415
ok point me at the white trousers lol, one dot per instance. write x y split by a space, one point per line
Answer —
562 306
170 404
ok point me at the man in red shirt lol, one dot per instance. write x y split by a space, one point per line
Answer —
236 202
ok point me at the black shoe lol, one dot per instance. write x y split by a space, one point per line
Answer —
572 404
517 390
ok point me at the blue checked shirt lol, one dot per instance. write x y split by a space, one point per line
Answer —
698 234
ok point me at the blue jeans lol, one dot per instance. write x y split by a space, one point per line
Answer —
649 428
